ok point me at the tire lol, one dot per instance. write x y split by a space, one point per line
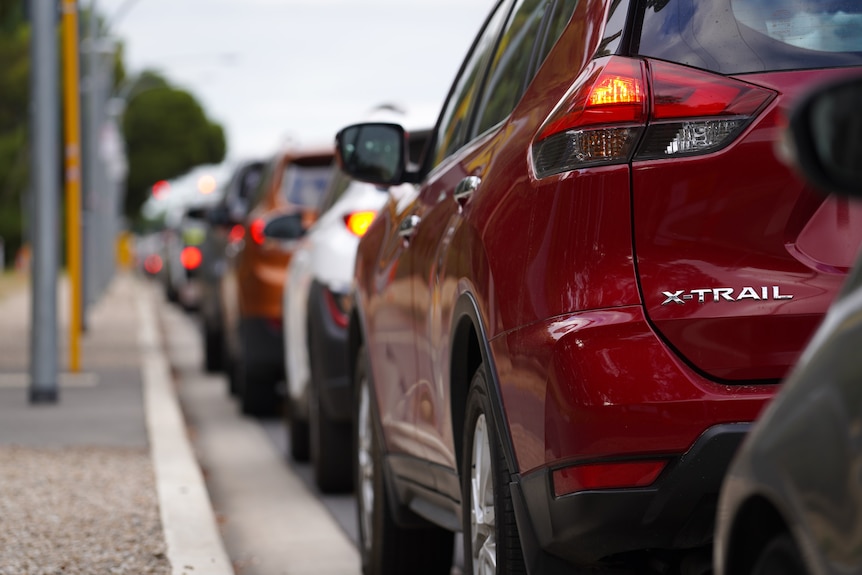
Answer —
213 351
331 441
298 437
490 533
385 548
779 556
257 395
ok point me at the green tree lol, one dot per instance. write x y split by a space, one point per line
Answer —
166 134
14 98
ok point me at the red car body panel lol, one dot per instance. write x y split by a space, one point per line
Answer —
567 276
734 219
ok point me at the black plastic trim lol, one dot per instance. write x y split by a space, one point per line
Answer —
329 370
585 528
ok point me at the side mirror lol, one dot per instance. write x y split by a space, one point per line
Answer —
826 137
372 152
285 227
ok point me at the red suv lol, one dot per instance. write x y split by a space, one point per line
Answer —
560 339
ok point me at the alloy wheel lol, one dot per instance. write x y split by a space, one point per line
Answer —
483 523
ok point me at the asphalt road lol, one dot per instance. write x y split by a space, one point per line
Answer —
272 520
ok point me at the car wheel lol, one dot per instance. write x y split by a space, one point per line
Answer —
491 542
331 442
213 352
330 448
297 434
385 547
779 556
257 394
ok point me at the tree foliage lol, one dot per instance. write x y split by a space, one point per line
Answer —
14 98
166 134
166 131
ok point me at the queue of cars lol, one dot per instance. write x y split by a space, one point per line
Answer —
551 330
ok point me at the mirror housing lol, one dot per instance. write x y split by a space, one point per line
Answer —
372 152
285 227
826 137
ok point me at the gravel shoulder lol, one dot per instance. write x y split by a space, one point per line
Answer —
63 511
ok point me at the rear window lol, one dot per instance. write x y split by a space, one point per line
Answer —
739 36
305 185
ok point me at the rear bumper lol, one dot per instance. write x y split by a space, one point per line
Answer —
328 355
676 512
600 387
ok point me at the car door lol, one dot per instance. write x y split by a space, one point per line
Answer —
503 63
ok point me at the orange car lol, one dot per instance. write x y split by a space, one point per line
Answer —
293 182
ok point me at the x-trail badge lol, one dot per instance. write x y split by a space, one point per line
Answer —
724 294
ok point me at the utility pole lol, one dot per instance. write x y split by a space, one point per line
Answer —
72 107
44 117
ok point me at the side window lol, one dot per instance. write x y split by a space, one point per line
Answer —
453 121
559 18
507 77
339 185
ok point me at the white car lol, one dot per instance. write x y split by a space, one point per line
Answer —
319 397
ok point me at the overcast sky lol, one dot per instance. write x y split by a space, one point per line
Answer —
273 70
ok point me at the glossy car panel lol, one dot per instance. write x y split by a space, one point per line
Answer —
292 182
514 294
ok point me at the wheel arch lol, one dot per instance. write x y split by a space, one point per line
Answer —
469 348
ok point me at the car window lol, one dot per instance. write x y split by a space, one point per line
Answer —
305 185
507 74
339 185
739 36
558 19
453 120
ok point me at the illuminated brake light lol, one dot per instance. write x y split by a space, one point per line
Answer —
616 90
255 230
358 222
161 189
623 110
237 232
615 475
598 122
191 257
153 264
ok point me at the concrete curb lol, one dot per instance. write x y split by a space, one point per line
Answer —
191 534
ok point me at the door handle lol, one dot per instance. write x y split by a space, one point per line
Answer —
407 227
466 187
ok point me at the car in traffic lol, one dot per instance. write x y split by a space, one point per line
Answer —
223 233
560 339
319 410
293 182
791 500
186 199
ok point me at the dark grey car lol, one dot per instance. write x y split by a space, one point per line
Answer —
792 499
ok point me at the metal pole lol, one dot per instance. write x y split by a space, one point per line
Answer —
91 164
44 116
72 107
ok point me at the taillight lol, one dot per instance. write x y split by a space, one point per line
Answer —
337 304
615 475
236 233
153 264
358 222
696 112
598 121
255 230
191 257
622 109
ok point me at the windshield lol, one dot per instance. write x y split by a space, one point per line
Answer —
305 185
739 36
